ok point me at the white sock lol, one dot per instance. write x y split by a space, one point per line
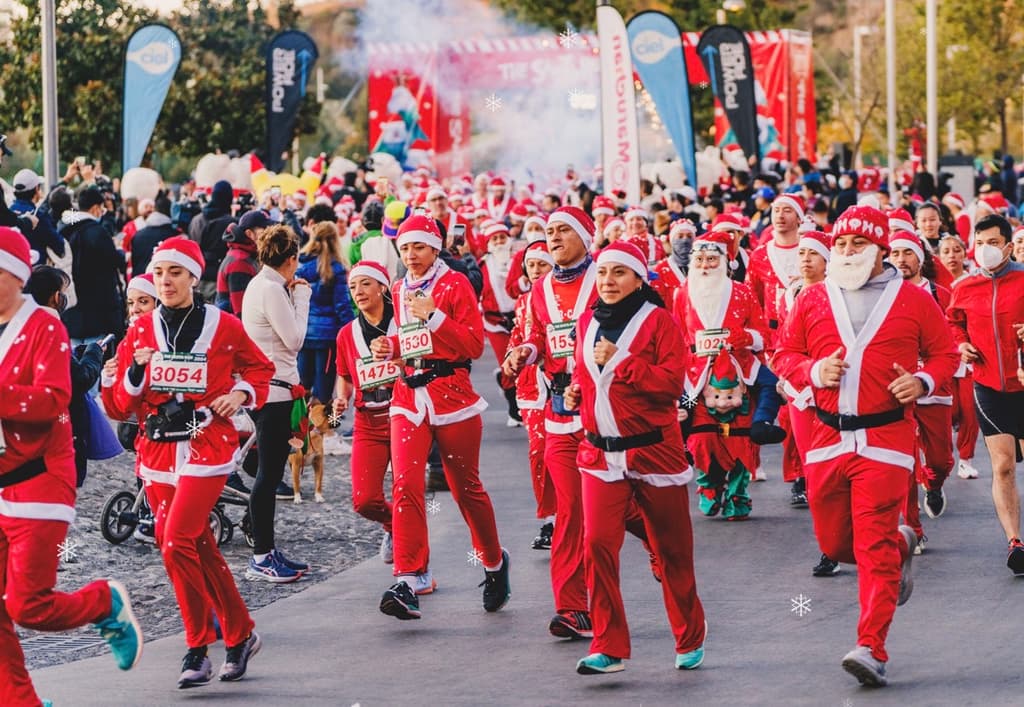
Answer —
496 568
409 579
260 558
550 519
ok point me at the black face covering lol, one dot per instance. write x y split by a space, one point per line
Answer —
681 248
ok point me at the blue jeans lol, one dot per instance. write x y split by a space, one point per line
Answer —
768 399
318 370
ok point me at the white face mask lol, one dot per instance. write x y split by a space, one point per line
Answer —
850 272
989 257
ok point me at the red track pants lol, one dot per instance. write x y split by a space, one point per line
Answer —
543 487
855 503
203 583
371 453
935 427
666 515
568 581
28 574
965 417
792 460
459 443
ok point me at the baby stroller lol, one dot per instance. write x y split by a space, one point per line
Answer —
124 511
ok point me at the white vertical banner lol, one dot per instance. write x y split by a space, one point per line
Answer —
620 145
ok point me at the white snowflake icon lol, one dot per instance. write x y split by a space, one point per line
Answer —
570 38
493 103
63 418
433 507
334 419
801 605
194 428
475 557
67 551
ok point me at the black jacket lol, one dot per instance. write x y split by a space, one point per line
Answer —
86 365
96 270
207 229
466 265
158 228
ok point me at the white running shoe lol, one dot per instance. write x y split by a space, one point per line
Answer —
759 474
424 584
387 549
512 422
966 470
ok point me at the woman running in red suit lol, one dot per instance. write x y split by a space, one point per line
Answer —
37 487
440 332
373 382
630 365
179 371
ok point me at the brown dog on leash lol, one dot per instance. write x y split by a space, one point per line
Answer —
319 427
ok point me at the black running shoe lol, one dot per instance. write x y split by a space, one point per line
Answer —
1015 557
436 481
497 588
196 668
934 502
237 659
766 433
574 625
825 567
401 602
236 484
543 539
798 493
284 492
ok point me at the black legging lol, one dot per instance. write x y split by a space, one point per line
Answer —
273 430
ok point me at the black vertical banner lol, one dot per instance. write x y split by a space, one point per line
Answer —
726 56
291 57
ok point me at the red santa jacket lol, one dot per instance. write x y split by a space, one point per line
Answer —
352 351
494 300
531 388
35 379
648 245
740 313
553 303
983 310
669 277
457 334
904 327
229 353
635 392
516 283
943 395
772 268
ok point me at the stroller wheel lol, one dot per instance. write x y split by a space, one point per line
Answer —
245 525
218 523
117 522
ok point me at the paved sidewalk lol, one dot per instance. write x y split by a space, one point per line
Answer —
955 642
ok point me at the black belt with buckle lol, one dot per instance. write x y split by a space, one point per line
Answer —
722 428
621 444
429 369
847 423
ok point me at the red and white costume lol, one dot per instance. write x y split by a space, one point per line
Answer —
772 269
446 409
496 304
857 478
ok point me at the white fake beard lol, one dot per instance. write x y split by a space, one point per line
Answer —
500 257
706 291
850 272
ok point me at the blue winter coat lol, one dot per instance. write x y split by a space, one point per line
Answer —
330 307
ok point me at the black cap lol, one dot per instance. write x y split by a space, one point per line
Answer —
89 197
254 219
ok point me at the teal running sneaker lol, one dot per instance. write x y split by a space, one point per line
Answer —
599 663
693 659
121 630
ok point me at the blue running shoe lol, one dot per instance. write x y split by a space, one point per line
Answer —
270 570
121 630
693 659
598 664
290 564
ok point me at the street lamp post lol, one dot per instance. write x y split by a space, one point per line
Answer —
48 36
858 32
931 88
890 89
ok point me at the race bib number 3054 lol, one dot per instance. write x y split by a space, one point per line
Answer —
177 372
560 342
709 341
414 341
373 374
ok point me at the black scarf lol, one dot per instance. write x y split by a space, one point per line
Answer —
616 316
373 331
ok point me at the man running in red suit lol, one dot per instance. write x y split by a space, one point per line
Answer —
870 345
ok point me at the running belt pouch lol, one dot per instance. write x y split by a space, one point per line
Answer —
29 470
170 423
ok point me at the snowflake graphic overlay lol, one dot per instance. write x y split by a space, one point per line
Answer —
801 605
334 419
475 557
194 427
67 551
570 38
63 418
493 103
433 506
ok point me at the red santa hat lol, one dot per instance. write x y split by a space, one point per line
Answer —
419 229
625 253
531 206
816 241
144 284
182 251
603 205
635 212
727 222
454 196
497 183
795 201
519 213
864 221
372 270
908 240
577 219
494 228
538 250
15 254
436 192
481 211
954 199
996 200
807 225
718 241
901 220
533 236
681 226
613 222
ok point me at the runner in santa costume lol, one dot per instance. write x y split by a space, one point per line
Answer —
187 369
670 274
373 383
638 234
602 209
440 332
934 413
531 396
499 308
556 303
37 486
499 199
856 339
774 266
630 363
438 203
533 231
732 225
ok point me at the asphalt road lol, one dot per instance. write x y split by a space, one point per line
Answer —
957 642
